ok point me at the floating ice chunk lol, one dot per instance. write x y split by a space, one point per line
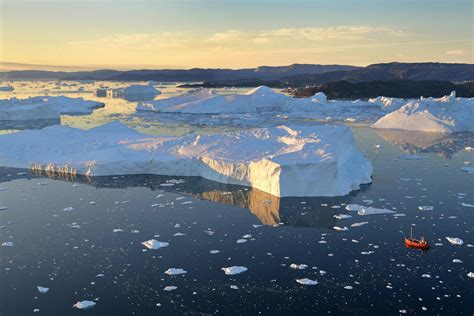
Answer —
117 230
234 270
468 169
469 148
455 241
155 244
342 216
248 236
306 281
175 271
42 290
241 241
69 209
470 275
340 228
7 244
367 210
178 234
348 287
358 224
3 208
84 304
295 266
273 160
467 205
234 287
170 288
425 208
457 261
445 115
426 275
214 251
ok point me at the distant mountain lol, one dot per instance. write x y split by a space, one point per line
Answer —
189 75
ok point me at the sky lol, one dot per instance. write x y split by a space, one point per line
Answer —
130 34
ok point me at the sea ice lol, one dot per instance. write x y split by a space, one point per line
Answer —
84 304
234 270
319 160
175 271
42 290
295 266
367 210
455 241
45 107
306 281
170 288
155 244
445 115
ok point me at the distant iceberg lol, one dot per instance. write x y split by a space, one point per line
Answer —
45 107
444 115
319 160
135 92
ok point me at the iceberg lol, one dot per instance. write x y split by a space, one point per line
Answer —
135 92
444 115
387 104
319 160
84 304
234 270
306 281
154 244
45 107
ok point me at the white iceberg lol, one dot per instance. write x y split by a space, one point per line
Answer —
455 241
319 160
155 244
175 271
388 104
45 107
234 270
42 290
134 89
367 210
445 115
306 281
84 304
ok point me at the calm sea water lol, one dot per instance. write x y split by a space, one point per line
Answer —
95 252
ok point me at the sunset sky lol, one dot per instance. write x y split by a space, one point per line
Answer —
232 34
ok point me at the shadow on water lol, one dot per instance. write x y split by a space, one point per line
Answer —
269 209
442 144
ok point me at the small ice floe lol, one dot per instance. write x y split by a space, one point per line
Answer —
170 288
306 281
117 230
234 287
187 202
340 228
68 209
470 275
359 224
295 266
425 208
234 270
241 241
178 234
455 241
3 208
366 253
378 146
367 210
248 236
42 290
457 261
469 148
92 202
398 215
84 305
7 244
348 287
36 310
214 251
155 244
467 205
426 275
468 169
342 216
175 271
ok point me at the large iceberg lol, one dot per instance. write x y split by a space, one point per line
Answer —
320 160
135 92
445 115
45 107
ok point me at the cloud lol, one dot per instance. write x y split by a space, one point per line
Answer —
458 52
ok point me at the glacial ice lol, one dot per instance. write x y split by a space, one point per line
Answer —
444 115
134 89
42 290
234 270
45 107
367 210
155 244
455 241
306 281
318 160
175 271
84 304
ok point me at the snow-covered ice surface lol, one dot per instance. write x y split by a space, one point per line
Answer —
444 115
321 160
45 107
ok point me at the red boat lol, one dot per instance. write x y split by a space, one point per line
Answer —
416 243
